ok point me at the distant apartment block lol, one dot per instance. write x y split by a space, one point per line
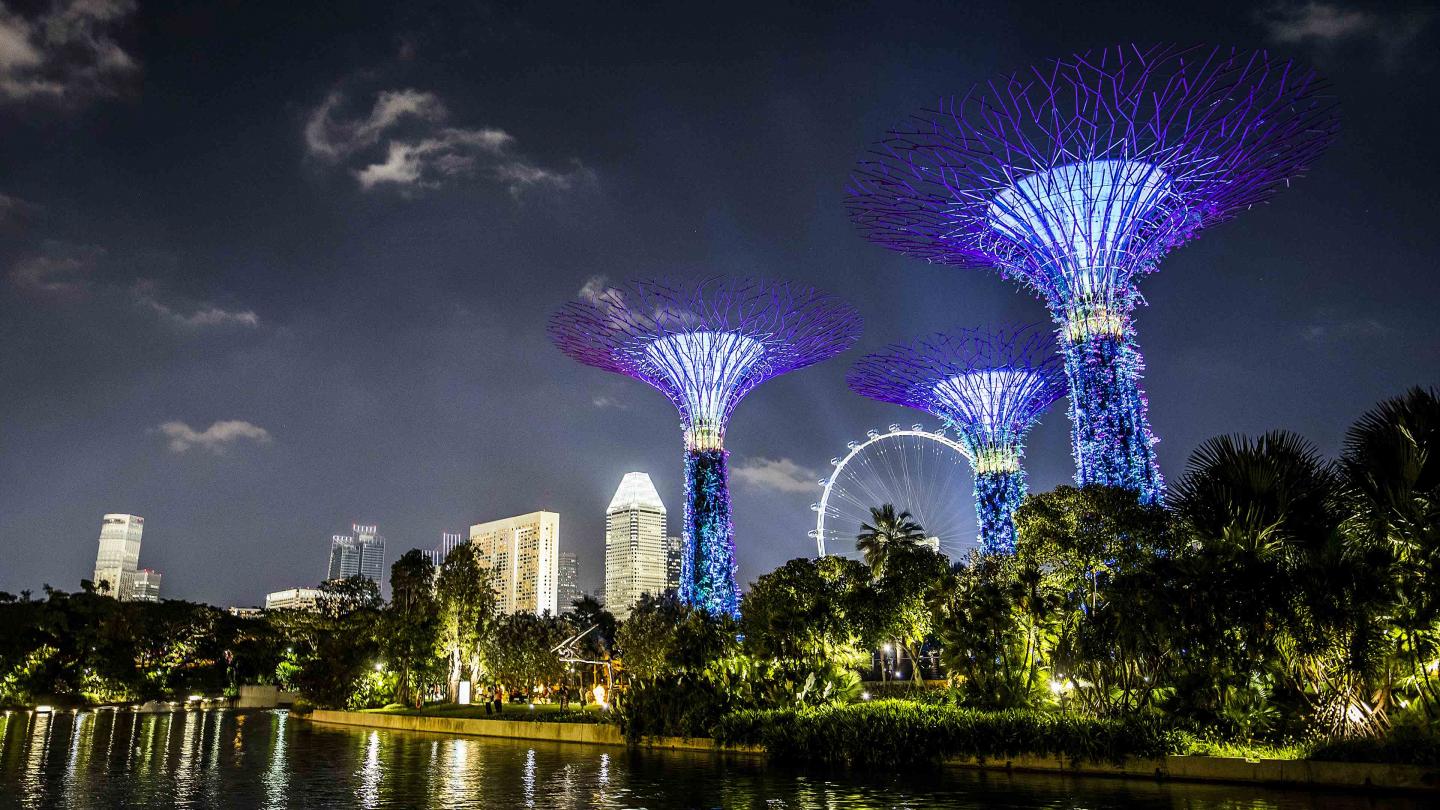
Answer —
674 550
144 586
360 553
294 599
524 552
567 582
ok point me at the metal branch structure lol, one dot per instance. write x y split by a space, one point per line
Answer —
705 345
990 387
1075 178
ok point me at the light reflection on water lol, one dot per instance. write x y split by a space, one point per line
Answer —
268 759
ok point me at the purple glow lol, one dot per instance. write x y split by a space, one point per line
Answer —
705 346
1078 176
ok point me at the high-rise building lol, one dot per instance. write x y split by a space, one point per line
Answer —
525 553
636 557
118 560
360 553
144 586
567 582
293 599
674 549
448 542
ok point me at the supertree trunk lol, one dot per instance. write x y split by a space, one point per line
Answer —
1110 432
997 495
707 569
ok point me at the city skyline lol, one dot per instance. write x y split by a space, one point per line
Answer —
227 312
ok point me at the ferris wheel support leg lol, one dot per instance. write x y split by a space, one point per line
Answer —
707 569
997 495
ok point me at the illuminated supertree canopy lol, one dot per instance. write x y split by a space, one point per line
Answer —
1075 178
705 345
990 387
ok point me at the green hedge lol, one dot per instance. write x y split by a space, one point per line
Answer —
892 733
1406 745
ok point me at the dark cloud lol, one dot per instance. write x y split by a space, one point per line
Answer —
65 53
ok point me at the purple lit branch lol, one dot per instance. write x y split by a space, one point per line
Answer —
1077 175
989 386
705 345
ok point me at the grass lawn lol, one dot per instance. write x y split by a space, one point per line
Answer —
541 712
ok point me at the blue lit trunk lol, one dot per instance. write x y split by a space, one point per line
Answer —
707 569
997 496
1110 433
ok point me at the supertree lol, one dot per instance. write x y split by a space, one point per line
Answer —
990 387
1075 178
705 346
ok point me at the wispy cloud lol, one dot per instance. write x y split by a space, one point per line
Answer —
57 268
1327 328
216 438
1329 24
15 213
609 402
65 53
406 141
595 289
780 475
191 316
64 270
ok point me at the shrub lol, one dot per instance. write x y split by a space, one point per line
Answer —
893 733
1406 745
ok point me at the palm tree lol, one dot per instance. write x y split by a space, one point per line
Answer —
1391 466
1268 515
886 532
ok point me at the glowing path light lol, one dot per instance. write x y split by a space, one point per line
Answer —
991 387
705 346
1077 177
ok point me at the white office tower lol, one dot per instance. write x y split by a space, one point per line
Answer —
567 582
636 551
119 555
144 586
361 553
524 551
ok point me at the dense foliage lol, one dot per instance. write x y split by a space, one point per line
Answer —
892 733
71 648
1281 596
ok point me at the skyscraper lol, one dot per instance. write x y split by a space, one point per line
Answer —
674 551
448 542
361 553
567 582
636 547
524 551
119 555
144 586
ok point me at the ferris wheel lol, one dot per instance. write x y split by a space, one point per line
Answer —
916 470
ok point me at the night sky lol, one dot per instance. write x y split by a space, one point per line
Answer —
263 274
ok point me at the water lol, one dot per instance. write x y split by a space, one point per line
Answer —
270 760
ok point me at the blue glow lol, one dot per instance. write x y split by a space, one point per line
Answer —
1110 435
1078 226
997 496
710 372
707 567
992 409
